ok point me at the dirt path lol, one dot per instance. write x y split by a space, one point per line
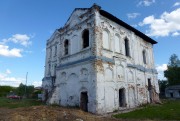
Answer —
49 113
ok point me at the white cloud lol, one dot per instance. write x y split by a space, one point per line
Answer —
175 34
133 15
28 51
6 79
145 2
5 51
160 69
37 83
8 71
167 24
176 4
21 39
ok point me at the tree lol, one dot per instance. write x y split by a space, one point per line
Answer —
4 90
173 71
162 86
173 60
21 90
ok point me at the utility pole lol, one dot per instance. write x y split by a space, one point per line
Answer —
26 86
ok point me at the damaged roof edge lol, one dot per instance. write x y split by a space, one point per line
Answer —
120 22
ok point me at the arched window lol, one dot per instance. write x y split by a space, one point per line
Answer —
50 52
49 70
144 56
117 43
55 53
106 39
66 47
127 51
85 38
55 66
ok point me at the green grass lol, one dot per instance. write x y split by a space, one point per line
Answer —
15 103
169 110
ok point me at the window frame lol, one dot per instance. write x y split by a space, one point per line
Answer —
127 47
66 47
85 39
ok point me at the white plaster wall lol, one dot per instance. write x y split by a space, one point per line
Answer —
113 77
101 79
74 80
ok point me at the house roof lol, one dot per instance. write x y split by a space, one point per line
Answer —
173 87
125 25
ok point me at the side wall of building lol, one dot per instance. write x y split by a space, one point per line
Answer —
74 71
122 75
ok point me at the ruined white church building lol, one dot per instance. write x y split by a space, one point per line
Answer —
99 63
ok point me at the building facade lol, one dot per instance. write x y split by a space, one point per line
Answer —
99 63
173 92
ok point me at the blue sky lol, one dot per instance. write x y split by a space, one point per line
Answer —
25 25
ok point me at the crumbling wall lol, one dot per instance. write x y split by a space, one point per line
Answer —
114 72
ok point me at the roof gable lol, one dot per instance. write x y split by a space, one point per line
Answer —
75 16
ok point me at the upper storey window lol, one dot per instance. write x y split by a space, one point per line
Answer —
106 39
127 49
117 43
66 47
55 53
85 38
144 56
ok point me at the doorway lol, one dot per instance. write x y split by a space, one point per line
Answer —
150 90
122 98
84 101
46 95
171 94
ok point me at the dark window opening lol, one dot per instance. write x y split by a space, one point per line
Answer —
144 56
171 94
66 47
179 92
150 90
122 98
84 101
149 84
127 52
49 71
46 95
85 37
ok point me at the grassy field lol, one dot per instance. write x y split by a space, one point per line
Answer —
169 110
15 103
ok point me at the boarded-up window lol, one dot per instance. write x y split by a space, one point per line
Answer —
75 44
117 43
55 53
106 39
109 74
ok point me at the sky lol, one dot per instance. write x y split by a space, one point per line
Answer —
26 25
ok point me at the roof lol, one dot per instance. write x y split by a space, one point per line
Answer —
125 25
173 87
